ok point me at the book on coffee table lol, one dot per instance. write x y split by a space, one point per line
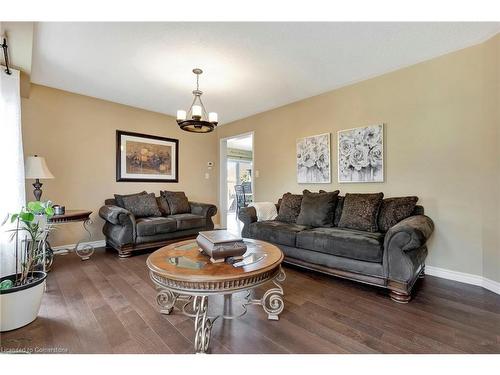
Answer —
221 244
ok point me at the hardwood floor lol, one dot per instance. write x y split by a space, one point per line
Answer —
107 305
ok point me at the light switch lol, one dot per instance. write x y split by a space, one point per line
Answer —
207 176
257 174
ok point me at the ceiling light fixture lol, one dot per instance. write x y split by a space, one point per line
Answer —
197 120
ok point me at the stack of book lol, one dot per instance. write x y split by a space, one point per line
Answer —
220 245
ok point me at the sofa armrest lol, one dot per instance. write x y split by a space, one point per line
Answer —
405 249
116 215
204 209
410 233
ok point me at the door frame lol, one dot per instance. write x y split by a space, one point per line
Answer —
223 173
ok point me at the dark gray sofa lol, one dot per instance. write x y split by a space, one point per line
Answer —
126 234
394 259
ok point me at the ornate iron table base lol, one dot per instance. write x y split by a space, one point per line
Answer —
272 302
86 250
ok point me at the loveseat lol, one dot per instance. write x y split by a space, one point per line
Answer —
145 221
390 253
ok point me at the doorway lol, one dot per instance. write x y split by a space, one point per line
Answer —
237 178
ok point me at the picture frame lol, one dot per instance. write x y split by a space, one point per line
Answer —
360 154
146 158
313 158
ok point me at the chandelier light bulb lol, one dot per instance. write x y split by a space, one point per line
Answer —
212 117
196 111
181 115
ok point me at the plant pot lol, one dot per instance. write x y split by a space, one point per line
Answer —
20 305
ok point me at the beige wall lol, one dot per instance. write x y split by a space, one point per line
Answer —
441 143
76 135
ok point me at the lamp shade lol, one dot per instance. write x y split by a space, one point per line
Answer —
36 167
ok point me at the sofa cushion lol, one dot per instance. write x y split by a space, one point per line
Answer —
276 232
317 209
289 208
360 211
150 226
393 210
163 205
354 244
189 221
338 211
177 202
142 205
119 198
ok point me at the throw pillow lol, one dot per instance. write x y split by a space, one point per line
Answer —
163 205
289 208
393 210
338 211
119 198
360 211
317 209
177 201
142 205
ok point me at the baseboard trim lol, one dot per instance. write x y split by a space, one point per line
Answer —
463 277
64 248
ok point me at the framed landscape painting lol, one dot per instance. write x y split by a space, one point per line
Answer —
146 158
313 159
361 154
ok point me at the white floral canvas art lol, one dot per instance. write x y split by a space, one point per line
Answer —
361 154
313 159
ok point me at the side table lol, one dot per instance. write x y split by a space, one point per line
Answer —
72 216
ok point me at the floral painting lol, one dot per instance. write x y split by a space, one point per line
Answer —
146 158
313 159
361 154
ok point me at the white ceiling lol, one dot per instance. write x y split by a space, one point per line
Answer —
248 67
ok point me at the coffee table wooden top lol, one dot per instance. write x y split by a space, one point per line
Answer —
182 261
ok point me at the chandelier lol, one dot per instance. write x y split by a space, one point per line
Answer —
197 120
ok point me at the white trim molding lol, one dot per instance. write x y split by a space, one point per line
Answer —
65 248
463 277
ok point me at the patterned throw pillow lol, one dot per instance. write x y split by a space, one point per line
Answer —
338 211
289 208
142 205
177 201
163 205
360 211
393 210
317 209
119 198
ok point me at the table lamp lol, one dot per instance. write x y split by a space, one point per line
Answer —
36 168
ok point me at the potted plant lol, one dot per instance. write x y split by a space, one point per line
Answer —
21 293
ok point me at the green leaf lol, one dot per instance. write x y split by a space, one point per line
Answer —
6 284
14 217
49 211
27 217
35 206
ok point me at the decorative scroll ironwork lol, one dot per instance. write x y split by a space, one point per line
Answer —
86 251
166 300
195 295
202 324
272 301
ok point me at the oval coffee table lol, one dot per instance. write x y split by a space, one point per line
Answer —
180 272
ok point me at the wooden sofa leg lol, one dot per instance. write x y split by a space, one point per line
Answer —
124 254
400 297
